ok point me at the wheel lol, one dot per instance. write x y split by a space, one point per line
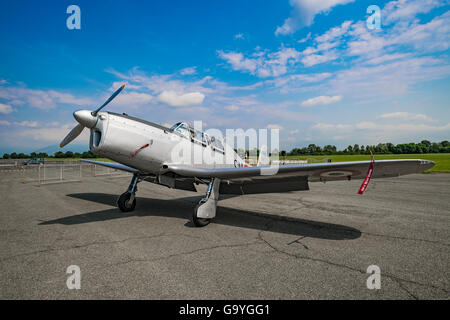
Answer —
199 222
124 202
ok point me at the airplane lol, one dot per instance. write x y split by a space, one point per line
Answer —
146 150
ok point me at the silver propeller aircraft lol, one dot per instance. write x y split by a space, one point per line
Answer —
146 150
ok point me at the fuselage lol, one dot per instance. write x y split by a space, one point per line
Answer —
150 147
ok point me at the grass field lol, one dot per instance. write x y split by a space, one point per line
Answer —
442 160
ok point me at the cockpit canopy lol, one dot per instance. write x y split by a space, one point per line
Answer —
190 133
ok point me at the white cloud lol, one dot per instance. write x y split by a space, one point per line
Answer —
53 134
299 82
298 79
262 64
5 108
239 36
175 100
130 99
321 100
408 9
405 116
188 71
367 132
323 126
3 81
414 128
289 26
408 37
238 62
366 125
232 107
390 79
41 99
355 45
4 123
67 98
313 59
401 128
156 84
429 37
325 45
274 126
304 13
308 36
388 58
31 124
334 33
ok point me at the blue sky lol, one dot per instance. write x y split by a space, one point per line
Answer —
310 68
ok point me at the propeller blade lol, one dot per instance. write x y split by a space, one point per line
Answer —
94 113
75 132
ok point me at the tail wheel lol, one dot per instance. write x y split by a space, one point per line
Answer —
199 222
124 203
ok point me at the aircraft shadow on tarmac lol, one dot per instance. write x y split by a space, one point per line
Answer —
183 208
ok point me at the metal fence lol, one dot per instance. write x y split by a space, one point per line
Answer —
56 172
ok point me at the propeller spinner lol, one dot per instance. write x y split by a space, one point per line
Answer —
86 119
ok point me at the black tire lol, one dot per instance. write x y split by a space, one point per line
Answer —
199 222
124 204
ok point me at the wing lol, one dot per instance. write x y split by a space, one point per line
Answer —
112 165
296 177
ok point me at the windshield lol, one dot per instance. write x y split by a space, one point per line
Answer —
174 126
190 133
181 128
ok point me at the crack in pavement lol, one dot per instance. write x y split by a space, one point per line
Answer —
399 283
390 276
92 244
187 253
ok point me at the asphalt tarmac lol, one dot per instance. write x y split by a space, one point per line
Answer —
313 244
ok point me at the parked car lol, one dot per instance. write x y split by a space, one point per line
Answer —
34 161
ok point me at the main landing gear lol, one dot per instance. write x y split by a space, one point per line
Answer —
204 211
127 200
206 208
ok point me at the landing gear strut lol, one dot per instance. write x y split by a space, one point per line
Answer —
206 208
127 200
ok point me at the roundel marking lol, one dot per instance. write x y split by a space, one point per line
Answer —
336 173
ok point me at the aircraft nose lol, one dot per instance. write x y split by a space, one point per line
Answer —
85 118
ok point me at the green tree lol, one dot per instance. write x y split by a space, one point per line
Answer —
88 154
329 149
390 147
434 147
59 154
427 146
